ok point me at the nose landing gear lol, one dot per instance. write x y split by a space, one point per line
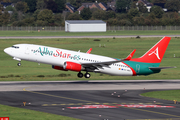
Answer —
19 64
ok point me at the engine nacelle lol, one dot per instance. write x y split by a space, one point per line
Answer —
72 66
58 68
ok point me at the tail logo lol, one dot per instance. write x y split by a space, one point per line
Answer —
156 52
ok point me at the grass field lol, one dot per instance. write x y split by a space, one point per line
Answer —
116 48
166 95
15 113
63 33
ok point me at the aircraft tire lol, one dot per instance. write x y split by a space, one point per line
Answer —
87 75
19 64
80 75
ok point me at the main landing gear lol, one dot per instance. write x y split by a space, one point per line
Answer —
86 75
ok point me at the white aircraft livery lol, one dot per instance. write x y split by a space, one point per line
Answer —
62 59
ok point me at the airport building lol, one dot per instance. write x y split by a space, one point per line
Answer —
85 26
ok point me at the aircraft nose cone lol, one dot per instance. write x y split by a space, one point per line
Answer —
6 50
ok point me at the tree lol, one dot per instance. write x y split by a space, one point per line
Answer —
110 14
158 11
99 14
122 5
21 7
86 14
51 5
4 18
29 21
40 4
10 8
173 5
6 1
142 8
46 15
58 18
133 12
60 5
74 16
138 20
35 14
1 7
31 4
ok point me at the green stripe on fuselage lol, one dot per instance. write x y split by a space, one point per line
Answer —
143 68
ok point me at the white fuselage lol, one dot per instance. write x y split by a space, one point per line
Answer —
57 57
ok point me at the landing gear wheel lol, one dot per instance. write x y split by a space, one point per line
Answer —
19 64
87 75
80 75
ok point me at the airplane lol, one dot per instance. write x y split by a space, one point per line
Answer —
62 59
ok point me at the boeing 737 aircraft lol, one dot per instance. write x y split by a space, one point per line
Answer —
62 59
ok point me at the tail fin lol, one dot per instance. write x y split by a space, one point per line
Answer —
156 53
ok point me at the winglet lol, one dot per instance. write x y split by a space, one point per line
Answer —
89 51
130 55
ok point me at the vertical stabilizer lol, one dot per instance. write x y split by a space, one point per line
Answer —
156 53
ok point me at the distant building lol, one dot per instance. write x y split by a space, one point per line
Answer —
112 5
70 8
85 26
6 4
146 3
101 6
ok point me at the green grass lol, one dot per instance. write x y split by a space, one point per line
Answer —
166 95
25 114
63 33
116 48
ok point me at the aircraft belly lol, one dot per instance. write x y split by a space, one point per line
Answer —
117 71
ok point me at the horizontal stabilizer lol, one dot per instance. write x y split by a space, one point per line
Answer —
159 68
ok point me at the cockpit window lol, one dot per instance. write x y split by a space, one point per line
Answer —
15 47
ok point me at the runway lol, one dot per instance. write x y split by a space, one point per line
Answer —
93 100
108 36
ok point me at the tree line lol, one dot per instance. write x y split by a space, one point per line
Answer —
128 13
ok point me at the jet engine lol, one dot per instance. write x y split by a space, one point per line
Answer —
58 68
72 66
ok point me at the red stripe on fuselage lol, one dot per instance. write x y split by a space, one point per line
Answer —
134 72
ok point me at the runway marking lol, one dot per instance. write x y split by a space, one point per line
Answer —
117 106
92 106
95 103
24 89
145 106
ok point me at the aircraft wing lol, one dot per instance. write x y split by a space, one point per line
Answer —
100 65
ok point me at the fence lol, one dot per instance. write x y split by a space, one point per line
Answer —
32 28
143 27
60 28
